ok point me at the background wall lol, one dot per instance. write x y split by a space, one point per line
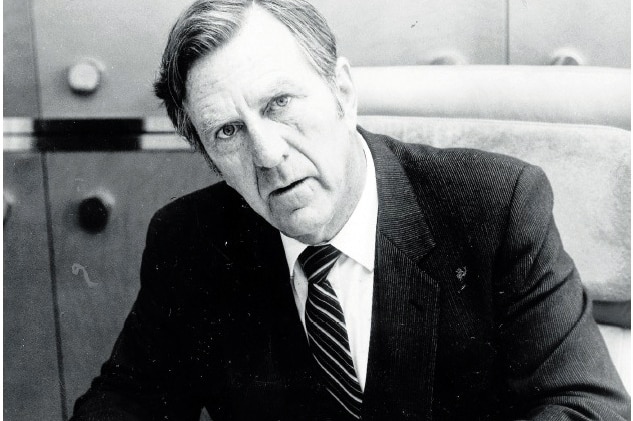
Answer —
44 39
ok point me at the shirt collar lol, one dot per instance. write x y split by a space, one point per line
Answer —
357 238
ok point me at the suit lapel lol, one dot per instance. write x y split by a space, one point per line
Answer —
405 302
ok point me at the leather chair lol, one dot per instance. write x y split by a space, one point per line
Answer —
574 122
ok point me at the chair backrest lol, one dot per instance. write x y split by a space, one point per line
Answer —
588 167
555 94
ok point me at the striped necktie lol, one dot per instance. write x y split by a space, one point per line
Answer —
325 325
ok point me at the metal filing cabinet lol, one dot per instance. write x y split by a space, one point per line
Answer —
97 261
31 383
122 39
593 33
406 32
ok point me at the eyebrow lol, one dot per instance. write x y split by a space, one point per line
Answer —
275 88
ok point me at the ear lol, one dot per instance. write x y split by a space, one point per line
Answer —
346 92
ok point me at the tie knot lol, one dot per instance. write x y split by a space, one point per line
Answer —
316 261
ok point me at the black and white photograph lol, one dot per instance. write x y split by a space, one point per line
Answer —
316 210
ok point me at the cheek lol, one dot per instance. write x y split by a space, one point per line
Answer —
321 131
245 183
238 175
312 115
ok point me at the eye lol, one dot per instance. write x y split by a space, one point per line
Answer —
281 101
228 130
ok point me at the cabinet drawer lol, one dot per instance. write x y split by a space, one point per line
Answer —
97 264
599 32
31 375
407 32
20 86
127 39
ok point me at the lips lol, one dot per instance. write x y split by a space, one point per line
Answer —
286 189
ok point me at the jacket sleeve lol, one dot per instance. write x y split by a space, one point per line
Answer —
555 360
146 377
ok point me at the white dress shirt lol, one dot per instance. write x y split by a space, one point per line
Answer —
352 276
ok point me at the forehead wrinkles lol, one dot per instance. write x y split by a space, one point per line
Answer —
237 72
230 75
261 39
237 91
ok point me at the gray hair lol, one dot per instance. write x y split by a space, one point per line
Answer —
208 24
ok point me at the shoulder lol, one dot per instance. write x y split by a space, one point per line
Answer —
457 164
463 189
215 200
460 172
201 216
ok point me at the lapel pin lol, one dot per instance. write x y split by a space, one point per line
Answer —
461 273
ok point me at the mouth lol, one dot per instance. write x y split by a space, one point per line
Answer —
286 189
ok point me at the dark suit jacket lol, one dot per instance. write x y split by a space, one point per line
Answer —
478 313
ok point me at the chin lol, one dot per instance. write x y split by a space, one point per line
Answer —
306 231
297 232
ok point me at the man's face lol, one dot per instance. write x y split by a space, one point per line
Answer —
278 133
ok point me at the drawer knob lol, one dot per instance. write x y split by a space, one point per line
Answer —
450 58
84 77
94 213
566 57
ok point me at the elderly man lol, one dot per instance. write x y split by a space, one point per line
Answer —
335 273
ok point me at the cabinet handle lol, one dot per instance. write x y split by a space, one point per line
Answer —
448 58
566 57
94 212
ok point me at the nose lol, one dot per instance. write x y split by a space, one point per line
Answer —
268 146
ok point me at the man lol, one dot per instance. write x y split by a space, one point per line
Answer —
342 275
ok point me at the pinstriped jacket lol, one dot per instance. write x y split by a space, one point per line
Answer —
478 312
